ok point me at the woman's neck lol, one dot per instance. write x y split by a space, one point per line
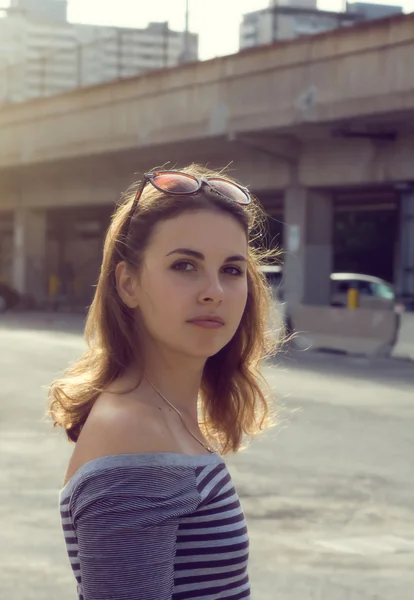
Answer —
177 378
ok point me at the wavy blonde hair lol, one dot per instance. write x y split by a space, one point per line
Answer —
232 399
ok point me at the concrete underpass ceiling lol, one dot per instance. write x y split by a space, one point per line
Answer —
109 175
262 161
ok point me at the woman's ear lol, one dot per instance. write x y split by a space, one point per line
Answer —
127 284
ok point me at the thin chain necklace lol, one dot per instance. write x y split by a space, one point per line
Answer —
208 448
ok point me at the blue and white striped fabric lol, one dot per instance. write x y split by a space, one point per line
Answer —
156 527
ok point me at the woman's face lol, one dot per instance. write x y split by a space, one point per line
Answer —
192 290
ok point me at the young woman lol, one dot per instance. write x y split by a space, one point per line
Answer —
170 383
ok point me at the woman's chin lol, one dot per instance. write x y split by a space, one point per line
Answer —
205 351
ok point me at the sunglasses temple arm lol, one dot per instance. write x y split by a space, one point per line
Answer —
137 197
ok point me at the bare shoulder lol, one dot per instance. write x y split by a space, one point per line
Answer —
118 425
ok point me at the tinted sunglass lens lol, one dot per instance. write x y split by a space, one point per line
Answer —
175 183
230 190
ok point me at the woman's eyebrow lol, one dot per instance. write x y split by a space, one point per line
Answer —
200 255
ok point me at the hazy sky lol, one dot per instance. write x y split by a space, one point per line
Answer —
216 21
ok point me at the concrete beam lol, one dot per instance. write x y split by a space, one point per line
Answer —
95 181
262 163
356 162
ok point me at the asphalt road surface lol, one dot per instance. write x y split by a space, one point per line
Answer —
328 493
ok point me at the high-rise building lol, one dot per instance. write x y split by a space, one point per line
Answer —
297 3
288 19
370 11
51 10
45 56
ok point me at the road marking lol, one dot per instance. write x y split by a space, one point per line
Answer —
386 544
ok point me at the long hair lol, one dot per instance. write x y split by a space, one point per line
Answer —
233 402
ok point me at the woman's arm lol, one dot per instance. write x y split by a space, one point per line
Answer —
125 514
126 548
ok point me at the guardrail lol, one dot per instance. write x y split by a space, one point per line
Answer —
404 347
362 331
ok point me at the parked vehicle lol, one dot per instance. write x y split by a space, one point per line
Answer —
374 292
9 297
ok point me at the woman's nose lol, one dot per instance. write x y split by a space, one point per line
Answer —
212 290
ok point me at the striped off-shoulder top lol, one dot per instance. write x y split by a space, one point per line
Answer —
155 527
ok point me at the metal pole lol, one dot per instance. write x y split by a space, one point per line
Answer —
8 83
79 65
186 33
165 44
119 53
43 76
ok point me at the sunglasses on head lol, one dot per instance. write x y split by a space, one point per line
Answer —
176 183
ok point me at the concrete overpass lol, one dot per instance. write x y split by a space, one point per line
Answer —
299 120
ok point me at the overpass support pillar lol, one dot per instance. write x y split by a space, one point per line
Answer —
29 256
405 265
308 247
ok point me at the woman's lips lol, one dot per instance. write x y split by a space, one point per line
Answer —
207 322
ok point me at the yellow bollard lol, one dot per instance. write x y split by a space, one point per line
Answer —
353 298
54 285
53 290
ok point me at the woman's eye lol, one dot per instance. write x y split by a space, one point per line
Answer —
235 271
183 265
